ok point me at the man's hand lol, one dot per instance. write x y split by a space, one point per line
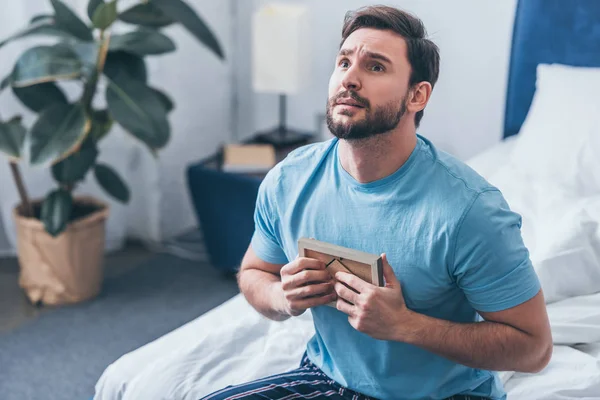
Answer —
305 283
516 339
380 312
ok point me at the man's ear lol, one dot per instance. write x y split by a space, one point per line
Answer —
419 96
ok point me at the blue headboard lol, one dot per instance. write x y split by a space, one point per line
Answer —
546 32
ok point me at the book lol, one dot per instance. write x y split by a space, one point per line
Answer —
248 158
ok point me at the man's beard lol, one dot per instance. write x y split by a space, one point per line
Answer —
375 122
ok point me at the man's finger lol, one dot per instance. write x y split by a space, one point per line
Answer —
353 281
316 301
305 278
308 276
310 291
302 263
342 291
344 307
388 273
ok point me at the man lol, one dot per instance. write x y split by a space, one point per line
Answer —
452 248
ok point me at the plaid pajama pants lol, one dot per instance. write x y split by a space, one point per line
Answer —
306 382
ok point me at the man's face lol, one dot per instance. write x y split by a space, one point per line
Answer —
369 86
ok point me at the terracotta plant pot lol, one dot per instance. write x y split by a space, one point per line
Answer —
64 269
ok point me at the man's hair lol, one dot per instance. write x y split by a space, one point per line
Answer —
423 55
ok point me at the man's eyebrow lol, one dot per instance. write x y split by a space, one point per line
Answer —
369 54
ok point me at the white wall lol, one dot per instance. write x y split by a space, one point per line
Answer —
465 114
200 85
215 99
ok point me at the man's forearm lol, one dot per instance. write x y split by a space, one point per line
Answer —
261 289
484 345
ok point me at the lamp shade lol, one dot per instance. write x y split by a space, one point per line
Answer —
280 48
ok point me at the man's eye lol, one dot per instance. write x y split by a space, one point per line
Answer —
377 68
344 64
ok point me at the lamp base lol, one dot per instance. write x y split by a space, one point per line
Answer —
283 138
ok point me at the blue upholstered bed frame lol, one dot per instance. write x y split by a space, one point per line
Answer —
548 32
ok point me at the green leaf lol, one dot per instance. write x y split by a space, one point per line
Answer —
180 11
12 137
58 128
146 14
46 26
41 17
67 20
74 168
142 42
111 182
37 97
165 99
120 62
87 52
56 211
105 15
5 82
92 6
45 64
139 110
102 123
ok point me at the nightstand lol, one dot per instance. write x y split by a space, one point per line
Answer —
224 204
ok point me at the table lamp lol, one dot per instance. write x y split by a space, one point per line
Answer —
281 63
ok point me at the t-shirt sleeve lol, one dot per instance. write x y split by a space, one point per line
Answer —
266 241
491 263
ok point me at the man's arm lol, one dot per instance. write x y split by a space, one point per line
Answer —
260 283
517 339
279 291
490 264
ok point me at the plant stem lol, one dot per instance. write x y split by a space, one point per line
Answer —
91 86
25 203
89 92
103 50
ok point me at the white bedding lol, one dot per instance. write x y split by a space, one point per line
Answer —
233 344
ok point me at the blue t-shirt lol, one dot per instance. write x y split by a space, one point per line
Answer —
450 237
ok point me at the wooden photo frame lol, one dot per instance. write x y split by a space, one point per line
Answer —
368 267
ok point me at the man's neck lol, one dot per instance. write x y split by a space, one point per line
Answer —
374 158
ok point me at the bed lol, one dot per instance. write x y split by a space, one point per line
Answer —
551 182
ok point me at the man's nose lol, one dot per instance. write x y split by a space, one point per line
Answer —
351 81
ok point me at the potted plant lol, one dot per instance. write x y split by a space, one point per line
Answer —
61 237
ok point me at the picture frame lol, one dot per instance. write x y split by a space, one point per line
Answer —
368 267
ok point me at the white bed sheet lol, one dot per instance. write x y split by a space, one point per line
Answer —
229 345
233 344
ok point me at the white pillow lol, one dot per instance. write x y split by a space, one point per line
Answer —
567 255
490 160
560 138
561 231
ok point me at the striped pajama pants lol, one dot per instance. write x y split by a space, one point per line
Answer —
306 382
